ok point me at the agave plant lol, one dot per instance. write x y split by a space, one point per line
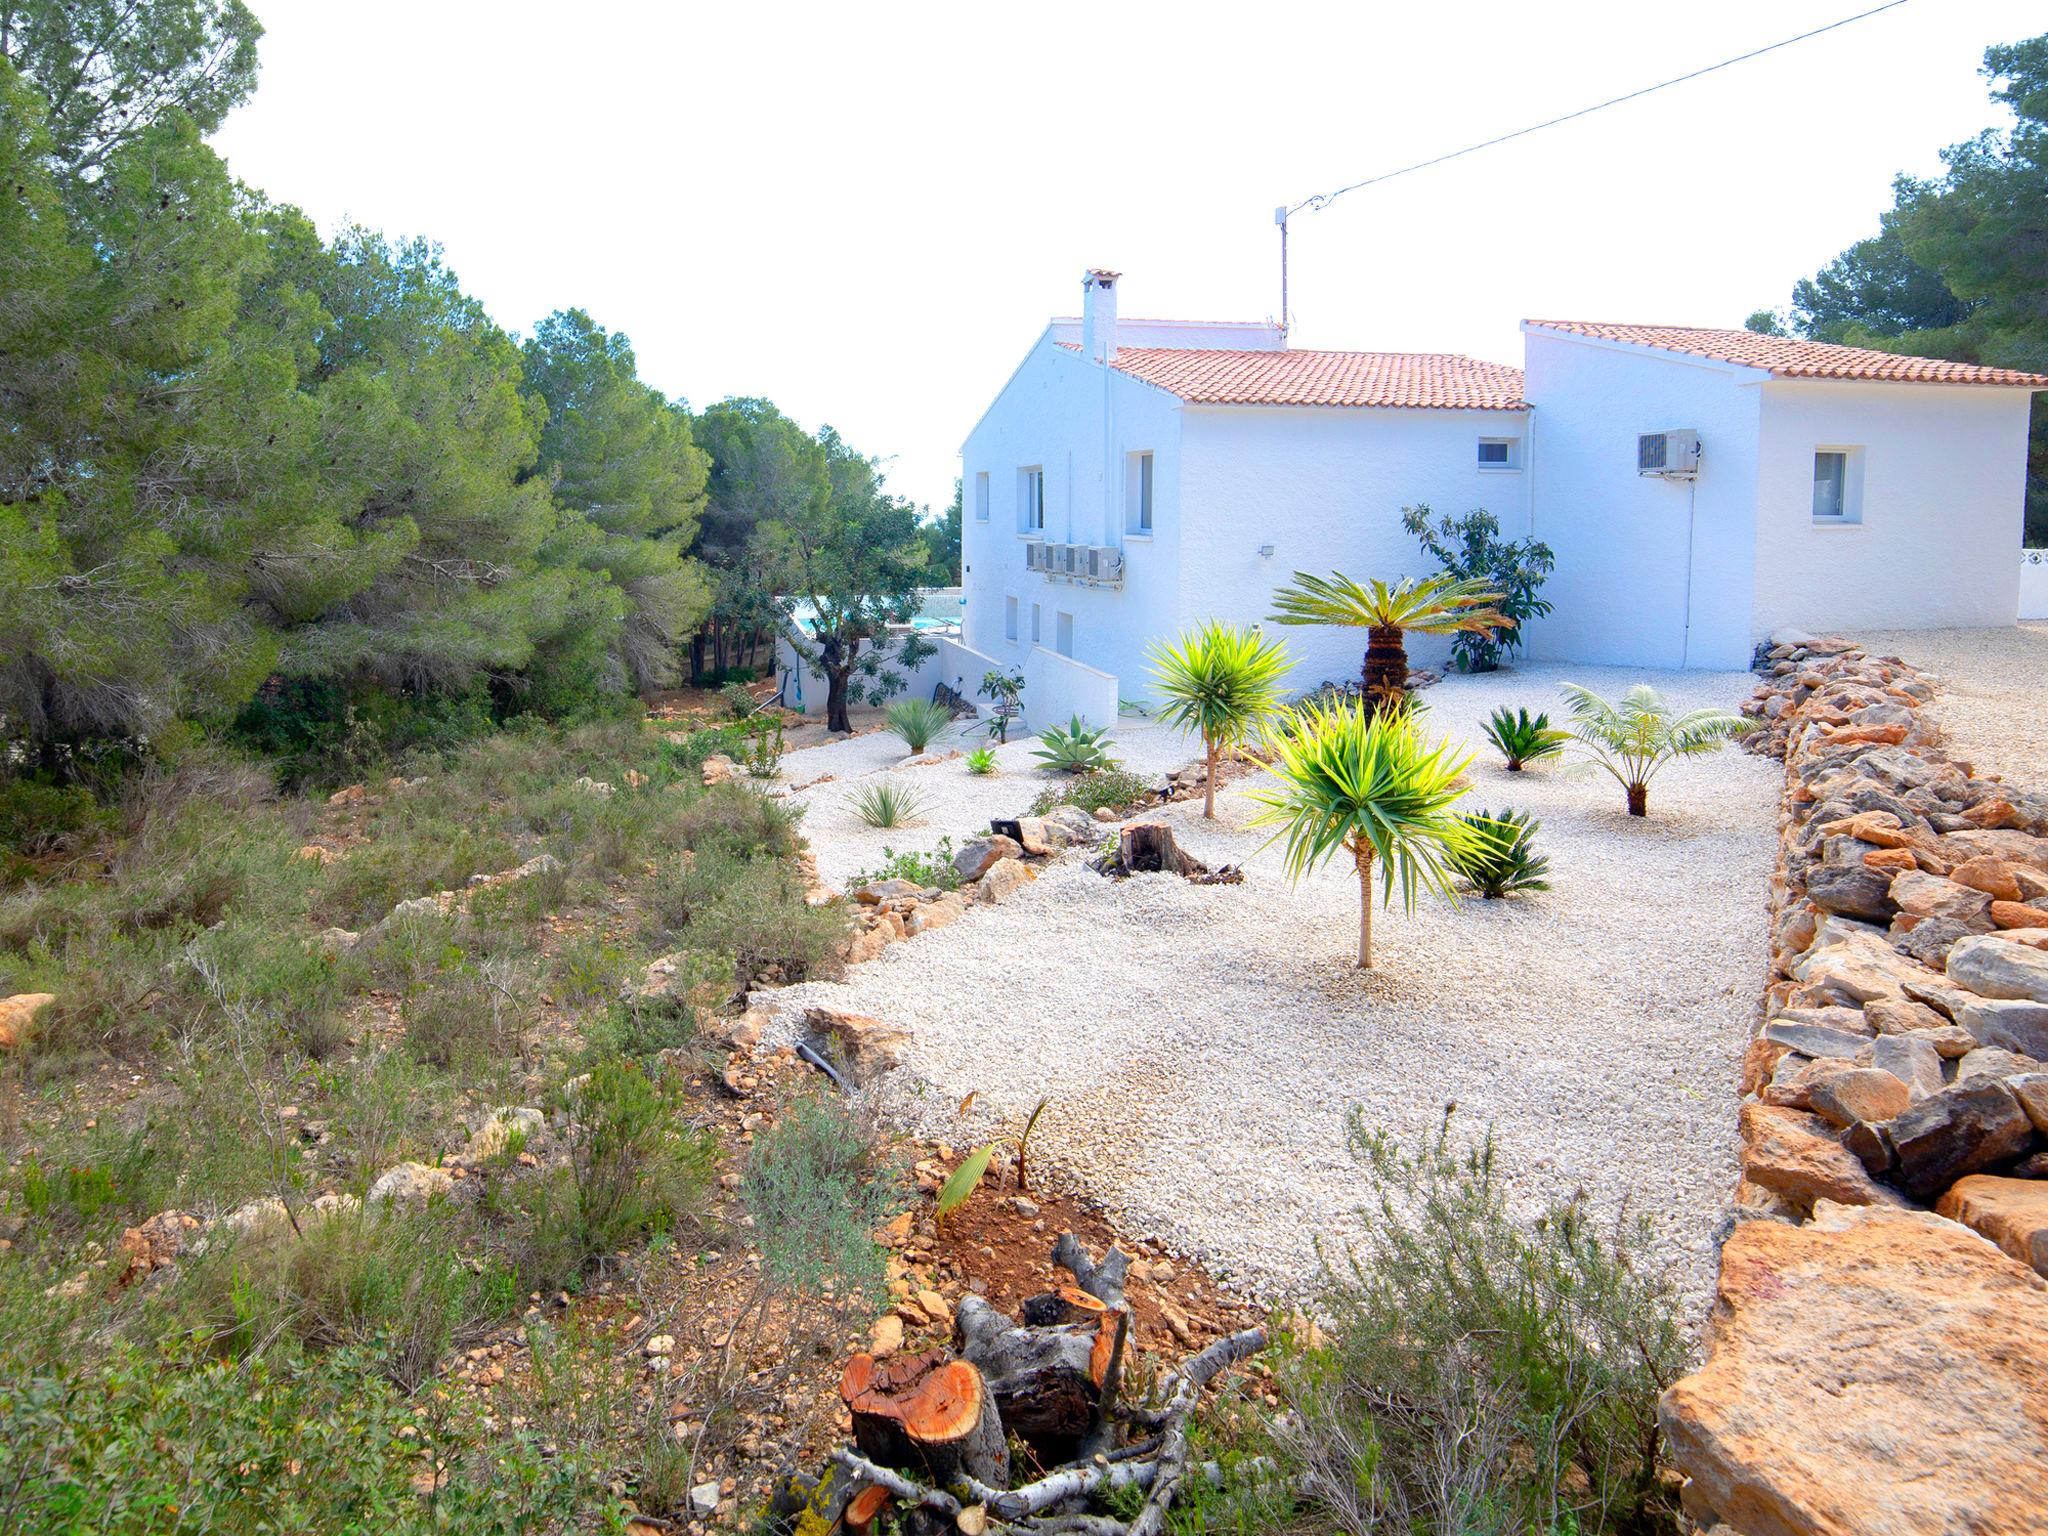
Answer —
1221 682
1079 748
1441 605
1523 739
918 721
1365 783
1638 736
1503 858
982 760
888 804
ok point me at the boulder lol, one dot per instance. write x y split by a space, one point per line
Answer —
1898 1016
1966 1128
1797 1156
1815 1039
1996 878
2009 1022
876 892
1850 962
2015 848
497 1131
1931 938
1995 1062
1004 878
1912 1059
1853 890
17 1013
949 908
1920 896
867 1047
2014 914
1995 966
1877 1371
2031 1090
410 1186
2012 1213
1034 839
981 855
1860 1093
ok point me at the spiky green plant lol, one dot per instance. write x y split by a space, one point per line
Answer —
1365 782
982 760
1078 748
888 804
1638 736
1523 738
1221 682
918 721
1502 859
1440 605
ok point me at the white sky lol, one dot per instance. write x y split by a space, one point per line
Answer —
867 212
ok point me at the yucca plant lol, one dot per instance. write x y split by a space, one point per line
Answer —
1440 605
1221 682
888 804
1503 858
1638 736
982 760
1524 739
1364 782
918 721
1079 748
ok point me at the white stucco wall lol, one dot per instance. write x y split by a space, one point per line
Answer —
1057 689
807 689
1325 488
1650 573
1942 476
1078 421
2034 584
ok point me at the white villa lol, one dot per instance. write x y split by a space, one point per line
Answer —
1700 488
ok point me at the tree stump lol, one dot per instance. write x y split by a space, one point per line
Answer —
928 1414
1054 1385
1148 847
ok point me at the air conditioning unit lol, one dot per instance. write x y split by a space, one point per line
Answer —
1034 557
1074 559
1673 455
1105 563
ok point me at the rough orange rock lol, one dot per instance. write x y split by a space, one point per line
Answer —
2012 1213
18 1012
2013 914
1891 858
1876 1371
1797 1155
1993 876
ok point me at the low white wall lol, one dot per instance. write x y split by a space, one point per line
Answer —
2034 584
1056 688
804 686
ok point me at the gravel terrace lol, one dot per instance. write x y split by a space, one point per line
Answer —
1993 693
1202 1046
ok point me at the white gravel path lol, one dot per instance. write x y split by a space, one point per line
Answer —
1201 1046
1992 696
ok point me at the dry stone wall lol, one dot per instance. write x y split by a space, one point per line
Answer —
1874 1356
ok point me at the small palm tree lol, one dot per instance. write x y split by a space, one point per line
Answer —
1222 682
1441 605
918 721
1638 736
1367 783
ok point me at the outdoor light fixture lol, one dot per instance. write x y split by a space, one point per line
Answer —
1266 550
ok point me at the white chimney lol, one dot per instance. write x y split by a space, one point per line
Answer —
1098 314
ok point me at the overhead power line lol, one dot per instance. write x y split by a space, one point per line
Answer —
1323 200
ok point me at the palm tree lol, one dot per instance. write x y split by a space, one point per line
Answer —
1222 682
1636 737
1366 782
1440 605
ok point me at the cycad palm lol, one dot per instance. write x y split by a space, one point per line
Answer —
1367 783
1638 736
1222 683
1440 605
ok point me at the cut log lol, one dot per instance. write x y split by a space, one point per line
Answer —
926 1413
865 1507
1068 1304
1105 1280
1054 1384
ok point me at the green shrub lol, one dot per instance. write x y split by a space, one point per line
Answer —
683 759
887 803
732 820
816 1189
1111 789
746 914
981 761
1470 548
636 1170
1502 859
918 722
38 818
1076 748
934 867
1481 1374
1522 739
737 700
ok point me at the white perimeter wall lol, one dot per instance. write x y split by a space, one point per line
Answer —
1625 564
919 681
1943 486
2034 584
1056 690
1078 421
1325 487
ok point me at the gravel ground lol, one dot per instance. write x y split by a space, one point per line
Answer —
1202 1046
956 803
1993 698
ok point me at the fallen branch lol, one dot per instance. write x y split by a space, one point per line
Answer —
1186 1391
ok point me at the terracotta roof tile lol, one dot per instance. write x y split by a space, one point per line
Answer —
1788 357
1423 380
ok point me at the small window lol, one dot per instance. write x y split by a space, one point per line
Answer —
1837 486
1138 493
1009 618
1063 632
1500 453
981 496
1036 611
1031 500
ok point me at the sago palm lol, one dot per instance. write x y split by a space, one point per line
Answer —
1638 736
1223 683
1439 605
1366 783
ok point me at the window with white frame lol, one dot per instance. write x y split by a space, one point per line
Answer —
981 496
1138 493
1031 500
1009 618
1500 453
1837 485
